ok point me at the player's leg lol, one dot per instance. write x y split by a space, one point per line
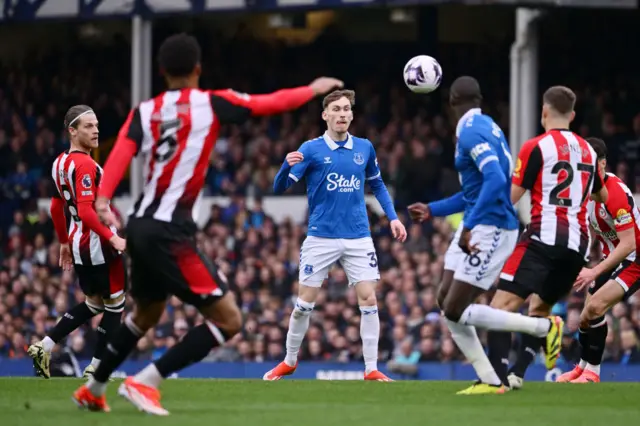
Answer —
195 280
529 344
452 258
623 283
317 255
112 279
459 297
148 289
40 351
360 264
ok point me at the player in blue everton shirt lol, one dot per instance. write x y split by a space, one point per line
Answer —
484 240
335 167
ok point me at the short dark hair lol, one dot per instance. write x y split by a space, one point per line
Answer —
70 118
465 90
338 94
179 55
599 147
560 98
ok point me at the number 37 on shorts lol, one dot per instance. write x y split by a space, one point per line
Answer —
357 257
482 268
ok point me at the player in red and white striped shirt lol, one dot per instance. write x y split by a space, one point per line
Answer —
175 133
616 224
559 168
89 247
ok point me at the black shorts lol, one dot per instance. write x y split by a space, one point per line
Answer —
537 268
627 274
166 261
108 280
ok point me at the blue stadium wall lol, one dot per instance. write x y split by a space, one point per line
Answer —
335 371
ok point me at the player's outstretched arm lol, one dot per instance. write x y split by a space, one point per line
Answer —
232 107
448 206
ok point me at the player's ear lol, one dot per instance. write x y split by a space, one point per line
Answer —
572 116
324 115
197 70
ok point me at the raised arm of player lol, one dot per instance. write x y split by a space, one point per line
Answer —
233 107
493 179
293 169
85 190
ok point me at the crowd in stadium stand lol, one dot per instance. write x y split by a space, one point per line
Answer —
413 138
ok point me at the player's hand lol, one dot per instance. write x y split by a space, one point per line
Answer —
118 243
398 230
294 157
419 212
465 242
66 260
324 85
104 212
585 278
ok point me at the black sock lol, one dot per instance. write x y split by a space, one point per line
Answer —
193 347
597 340
118 348
71 320
106 329
583 339
529 349
499 346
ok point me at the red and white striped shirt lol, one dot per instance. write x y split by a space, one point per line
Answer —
560 170
176 133
77 177
618 214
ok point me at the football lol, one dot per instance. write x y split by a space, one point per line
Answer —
422 74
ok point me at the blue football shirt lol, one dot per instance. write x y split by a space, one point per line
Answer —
335 174
481 141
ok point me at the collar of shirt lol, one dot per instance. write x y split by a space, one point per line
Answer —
468 114
333 146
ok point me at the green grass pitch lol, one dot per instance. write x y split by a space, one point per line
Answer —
31 402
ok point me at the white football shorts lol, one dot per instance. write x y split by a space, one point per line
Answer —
357 257
481 269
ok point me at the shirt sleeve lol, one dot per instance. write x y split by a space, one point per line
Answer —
528 165
126 147
479 150
619 207
232 107
298 171
84 181
372 171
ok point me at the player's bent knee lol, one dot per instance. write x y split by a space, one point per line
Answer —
115 305
366 291
452 311
595 308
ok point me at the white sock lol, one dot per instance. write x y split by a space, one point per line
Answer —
298 325
95 362
467 340
583 364
95 387
496 319
48 344
593 368
149 376
370 334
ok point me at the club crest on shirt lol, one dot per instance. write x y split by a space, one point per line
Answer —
358 158
86 181
602 212
308 269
